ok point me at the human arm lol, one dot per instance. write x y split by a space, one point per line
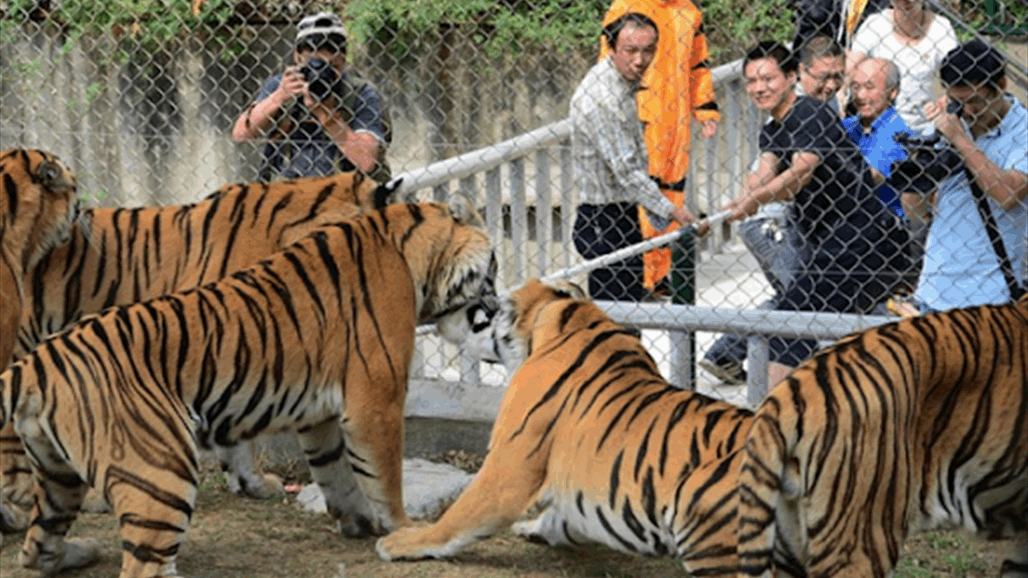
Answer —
260 117
1007 187
768 184
360 147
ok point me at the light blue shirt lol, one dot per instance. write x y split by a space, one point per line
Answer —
961 268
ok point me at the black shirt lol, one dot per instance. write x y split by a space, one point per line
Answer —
839 202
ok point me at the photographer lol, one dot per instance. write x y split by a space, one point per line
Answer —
988 138
318 117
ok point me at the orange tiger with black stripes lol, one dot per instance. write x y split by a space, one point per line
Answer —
317 338
911 426
128 255
591 433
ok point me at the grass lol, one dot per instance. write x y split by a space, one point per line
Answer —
232 537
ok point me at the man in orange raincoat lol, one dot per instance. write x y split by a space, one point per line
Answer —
677 89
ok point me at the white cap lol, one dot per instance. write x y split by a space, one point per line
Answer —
322 24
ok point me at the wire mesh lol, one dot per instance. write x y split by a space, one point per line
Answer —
141 98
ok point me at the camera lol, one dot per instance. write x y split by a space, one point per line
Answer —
321 78
929 161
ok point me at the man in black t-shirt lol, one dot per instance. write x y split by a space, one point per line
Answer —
851 242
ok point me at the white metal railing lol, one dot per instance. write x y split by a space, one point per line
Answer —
722 164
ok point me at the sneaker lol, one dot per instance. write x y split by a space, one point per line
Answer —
729 372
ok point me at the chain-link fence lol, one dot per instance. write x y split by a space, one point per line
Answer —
141 99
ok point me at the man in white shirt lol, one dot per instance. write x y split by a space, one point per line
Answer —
611 163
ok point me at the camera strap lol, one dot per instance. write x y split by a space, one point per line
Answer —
985 212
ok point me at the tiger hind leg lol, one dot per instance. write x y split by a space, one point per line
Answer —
57 498
548 528
244 477
325 450
154 507
16 482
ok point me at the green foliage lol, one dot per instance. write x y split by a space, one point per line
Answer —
137 24
409 28
734 25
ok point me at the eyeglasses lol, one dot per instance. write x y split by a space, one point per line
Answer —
824 78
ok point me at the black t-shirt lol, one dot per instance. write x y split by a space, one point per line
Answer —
839 202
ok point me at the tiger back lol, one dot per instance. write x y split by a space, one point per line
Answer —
317 338
591 432
130 255
911 426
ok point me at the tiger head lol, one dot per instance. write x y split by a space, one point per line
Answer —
500 329
38 204
459 262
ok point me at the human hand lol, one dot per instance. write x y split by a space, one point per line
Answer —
742 206
292 86
685 218
709 128
946 124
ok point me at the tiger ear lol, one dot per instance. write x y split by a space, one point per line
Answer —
464 211
54 176
572 290
384 193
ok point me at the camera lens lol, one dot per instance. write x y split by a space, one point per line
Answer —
955 107
320 78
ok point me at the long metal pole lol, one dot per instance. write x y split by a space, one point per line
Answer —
625 252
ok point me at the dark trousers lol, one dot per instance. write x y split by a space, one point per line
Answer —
602 229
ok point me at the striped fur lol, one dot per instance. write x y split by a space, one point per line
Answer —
590 431
911 426
38 206
129 255
318 338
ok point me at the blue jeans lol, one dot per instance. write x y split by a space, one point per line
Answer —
777 249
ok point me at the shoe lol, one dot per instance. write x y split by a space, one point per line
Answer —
730 372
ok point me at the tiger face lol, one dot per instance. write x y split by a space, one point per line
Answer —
498 329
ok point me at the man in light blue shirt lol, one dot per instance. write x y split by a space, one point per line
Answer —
990 134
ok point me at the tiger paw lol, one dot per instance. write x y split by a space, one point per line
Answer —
77 553
13 518
264 487
414 543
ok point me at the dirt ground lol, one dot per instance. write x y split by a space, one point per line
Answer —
232 537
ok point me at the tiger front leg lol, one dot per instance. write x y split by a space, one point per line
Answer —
374 440
507 484
325 450
240 465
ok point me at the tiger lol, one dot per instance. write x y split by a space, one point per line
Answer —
592 434
131 254
906 427
317 338
38 206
